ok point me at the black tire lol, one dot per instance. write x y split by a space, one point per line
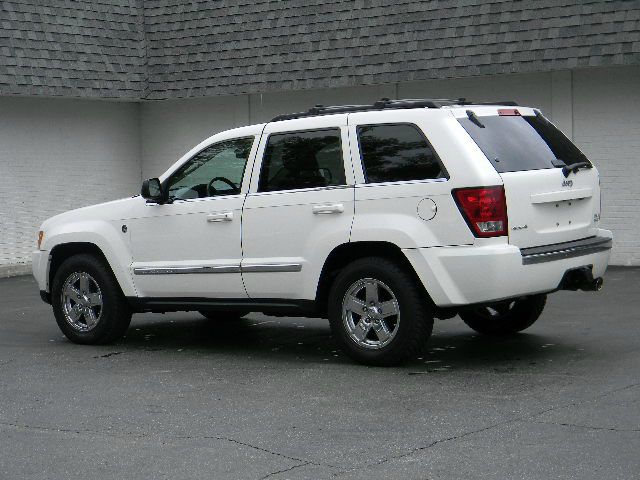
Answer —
115 314
414 322
506 318
223 316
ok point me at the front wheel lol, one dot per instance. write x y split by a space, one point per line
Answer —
378 313
87 301
505 318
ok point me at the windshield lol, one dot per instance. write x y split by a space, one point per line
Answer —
514 143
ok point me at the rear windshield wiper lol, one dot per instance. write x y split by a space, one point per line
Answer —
474 118
574 167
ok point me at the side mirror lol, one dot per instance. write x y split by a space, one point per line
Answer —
152 191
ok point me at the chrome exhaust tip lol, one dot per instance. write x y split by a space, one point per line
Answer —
581 279
594 285
598 283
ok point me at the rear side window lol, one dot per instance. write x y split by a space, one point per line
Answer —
513 143
308 159
397 152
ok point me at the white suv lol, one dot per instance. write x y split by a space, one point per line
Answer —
378 217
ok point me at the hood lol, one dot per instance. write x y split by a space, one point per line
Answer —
107 211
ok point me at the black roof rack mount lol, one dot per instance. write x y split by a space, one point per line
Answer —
386 104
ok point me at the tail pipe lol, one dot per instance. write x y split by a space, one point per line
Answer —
581 279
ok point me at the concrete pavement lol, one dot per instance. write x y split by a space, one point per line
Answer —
265 397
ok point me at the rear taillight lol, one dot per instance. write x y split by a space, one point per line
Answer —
484 209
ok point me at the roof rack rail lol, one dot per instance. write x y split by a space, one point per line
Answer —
384 104
506 103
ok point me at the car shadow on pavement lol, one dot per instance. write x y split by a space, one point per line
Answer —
276 339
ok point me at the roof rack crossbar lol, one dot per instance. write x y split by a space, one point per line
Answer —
384 104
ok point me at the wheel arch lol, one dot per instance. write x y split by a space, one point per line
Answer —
348 252
63 251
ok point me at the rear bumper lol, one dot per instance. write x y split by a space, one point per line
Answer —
456 276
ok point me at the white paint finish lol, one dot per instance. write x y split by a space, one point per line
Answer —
179 235
388 211
607 129
284 227
202 232
100 225
172 127
551 215
492 270
562 101
60 154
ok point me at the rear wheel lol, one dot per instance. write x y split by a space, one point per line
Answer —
87 301
505 318
219 316
378 313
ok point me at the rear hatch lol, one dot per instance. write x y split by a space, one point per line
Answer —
545 203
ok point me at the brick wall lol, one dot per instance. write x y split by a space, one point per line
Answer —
56 155
606 125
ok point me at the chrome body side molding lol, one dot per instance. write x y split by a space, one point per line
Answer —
270 267
184 270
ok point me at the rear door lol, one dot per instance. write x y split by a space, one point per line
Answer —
299 208
543 205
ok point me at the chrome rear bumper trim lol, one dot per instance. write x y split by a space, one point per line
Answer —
559 251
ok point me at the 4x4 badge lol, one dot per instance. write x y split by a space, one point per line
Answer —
567 183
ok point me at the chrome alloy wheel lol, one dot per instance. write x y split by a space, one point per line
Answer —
370 313
81 301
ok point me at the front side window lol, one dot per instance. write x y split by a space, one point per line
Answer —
397 152
308 159
216 170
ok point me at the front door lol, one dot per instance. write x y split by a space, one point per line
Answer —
299 207
191 246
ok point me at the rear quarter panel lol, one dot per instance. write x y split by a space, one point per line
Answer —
392 211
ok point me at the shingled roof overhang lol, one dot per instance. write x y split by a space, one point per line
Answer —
175 49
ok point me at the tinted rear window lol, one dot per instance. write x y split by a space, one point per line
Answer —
397 152
515 143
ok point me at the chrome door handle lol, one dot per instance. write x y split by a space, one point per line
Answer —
220 217
329 208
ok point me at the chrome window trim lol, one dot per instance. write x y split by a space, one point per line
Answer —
403 182
303 190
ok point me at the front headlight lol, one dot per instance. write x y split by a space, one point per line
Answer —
40 238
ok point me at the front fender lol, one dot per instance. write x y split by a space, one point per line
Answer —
107 236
